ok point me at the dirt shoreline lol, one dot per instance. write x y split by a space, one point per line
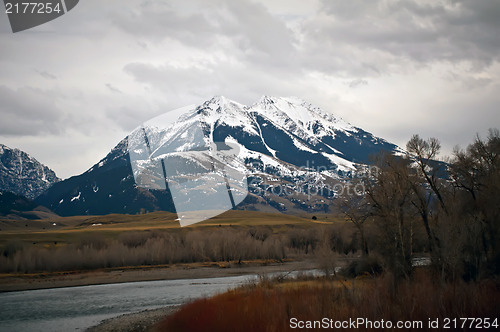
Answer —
20 282
136 322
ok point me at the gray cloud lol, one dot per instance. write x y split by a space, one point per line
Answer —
244 83
112 88
109 65
28 111
378 37
259 34
157 21
357 82
243 28
47 75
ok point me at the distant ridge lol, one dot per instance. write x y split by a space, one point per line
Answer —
17 207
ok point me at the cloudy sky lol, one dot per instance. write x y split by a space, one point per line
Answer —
71 89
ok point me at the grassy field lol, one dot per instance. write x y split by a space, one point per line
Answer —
95 242
71 229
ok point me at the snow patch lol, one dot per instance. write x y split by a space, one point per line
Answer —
301 146
77 197
343 164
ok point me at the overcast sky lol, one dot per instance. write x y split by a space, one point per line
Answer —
71 89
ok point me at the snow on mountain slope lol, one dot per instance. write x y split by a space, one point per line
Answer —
295 114
280 143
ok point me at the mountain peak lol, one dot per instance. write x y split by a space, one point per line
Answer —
220 101
266 100
273 100
22 174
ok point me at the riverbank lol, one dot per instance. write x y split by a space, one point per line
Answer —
137 322
18 282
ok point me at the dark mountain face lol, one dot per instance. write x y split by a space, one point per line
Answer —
282 143
108 187
22 174
10 202
16 207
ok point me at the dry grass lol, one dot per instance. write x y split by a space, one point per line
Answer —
96 242
69 229
87 250
269 307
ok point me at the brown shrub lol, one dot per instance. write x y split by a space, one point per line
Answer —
270 308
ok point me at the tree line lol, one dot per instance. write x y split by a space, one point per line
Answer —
230 244
455 202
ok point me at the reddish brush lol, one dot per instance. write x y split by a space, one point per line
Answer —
270 308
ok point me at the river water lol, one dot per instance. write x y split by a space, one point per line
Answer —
78 308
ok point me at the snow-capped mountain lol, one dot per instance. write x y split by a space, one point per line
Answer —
22 174
286 146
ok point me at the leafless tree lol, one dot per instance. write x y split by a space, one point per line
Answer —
358 209
475 171
390 195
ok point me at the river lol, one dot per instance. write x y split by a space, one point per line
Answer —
78 308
